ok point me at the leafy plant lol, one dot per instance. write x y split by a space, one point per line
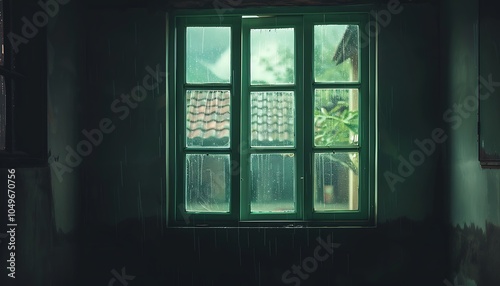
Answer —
336 124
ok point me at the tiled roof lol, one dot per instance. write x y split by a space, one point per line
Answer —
273 116
208 118
347 47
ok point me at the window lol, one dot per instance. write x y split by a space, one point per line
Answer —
273 119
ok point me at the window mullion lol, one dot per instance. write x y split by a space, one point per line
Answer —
308 117
245 122
236 98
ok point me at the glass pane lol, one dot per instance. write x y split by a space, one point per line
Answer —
273 118
208 54
336 117
208 181
207 118
272 54
3 113
272 182
336 182
336 53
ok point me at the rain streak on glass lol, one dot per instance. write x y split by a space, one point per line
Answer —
208 54
336 182
272 53
208 183
336 117
336 53
272 183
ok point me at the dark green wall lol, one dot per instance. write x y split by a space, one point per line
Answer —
123 203
47 98
109 212
474 193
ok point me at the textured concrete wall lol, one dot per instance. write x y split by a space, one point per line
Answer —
123 208
474 193
106 218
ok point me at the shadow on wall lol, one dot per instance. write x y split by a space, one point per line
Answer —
475 254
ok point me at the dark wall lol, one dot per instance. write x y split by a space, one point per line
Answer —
26 86
489 63
100 214
123 178
474 193
47 114
66 93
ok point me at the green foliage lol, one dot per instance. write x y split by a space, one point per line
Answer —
336 124
335 127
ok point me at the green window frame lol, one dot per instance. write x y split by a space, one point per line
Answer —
233 157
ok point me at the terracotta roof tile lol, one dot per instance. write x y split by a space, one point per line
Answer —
208 118
272 118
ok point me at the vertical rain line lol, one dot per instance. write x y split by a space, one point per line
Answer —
498 199
259 273
141 211
276 246
161 204
239 245
264 237
121 173
348 264
194 238
125 157
100 195
160 141
116 212
307 236
199 250
135 33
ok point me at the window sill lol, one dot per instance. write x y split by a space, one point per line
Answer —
278 224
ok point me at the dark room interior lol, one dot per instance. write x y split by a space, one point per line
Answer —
90 178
